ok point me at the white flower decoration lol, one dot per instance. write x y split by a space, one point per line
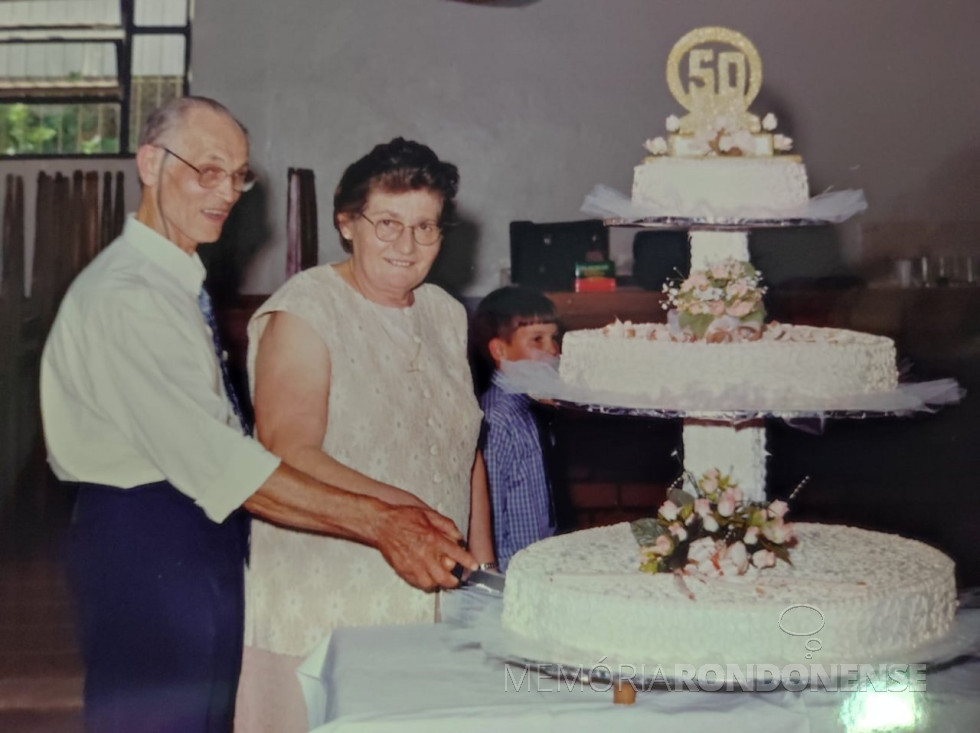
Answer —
673 123
669 510
677 529
763 559
769 122
744 141
700 143
782 142
656 146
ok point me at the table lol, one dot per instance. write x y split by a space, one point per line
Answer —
420 678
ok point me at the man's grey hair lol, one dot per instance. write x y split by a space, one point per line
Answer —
169 117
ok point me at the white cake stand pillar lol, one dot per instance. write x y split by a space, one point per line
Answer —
738 450
710 246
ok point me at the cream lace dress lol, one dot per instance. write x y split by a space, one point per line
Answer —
402 411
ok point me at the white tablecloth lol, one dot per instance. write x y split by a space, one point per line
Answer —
419 678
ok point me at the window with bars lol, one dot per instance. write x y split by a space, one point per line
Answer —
79 77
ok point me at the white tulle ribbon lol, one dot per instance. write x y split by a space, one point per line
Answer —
605 202
542 381
836 206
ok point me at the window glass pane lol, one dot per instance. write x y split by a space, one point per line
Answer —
158 55
58 129
158 77
77 65
148 93
53 52
160 12
59 12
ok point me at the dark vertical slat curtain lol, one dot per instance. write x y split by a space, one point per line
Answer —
11 299
119 207
106 223
302 241
91 238
74 218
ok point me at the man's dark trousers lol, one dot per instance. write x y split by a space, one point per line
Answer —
159 593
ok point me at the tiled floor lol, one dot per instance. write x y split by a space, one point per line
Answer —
40 668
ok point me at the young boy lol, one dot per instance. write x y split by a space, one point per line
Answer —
512 324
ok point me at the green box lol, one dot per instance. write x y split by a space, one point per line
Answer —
602 268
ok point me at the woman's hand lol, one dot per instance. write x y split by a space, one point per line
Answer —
422 546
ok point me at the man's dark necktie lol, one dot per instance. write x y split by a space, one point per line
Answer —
207 310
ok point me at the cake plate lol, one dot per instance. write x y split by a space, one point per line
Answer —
961 645
803 417
721 224
477 617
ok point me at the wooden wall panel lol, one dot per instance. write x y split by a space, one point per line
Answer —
74 219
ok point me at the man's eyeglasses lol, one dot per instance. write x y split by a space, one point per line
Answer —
388 230
211 176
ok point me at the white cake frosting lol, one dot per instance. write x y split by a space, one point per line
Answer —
640 359
876 595
713 187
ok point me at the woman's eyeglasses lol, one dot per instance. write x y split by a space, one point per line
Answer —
388 230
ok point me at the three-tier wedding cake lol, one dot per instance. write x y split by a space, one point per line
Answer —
726 601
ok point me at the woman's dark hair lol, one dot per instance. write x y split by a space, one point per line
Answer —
395 167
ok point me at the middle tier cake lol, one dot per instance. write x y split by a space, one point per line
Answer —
643 359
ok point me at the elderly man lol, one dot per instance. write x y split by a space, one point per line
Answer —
139 413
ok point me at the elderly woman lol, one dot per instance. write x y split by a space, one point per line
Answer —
360 378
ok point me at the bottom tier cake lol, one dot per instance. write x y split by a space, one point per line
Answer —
850 596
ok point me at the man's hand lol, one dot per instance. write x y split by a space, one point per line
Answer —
422 546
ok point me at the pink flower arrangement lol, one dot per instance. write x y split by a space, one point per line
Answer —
711 531
720 303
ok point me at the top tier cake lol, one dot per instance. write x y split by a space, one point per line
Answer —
719 160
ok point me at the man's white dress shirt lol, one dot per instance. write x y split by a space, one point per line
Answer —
131 389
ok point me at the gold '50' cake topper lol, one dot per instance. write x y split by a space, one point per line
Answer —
723 75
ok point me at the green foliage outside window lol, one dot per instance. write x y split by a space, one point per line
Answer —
58 129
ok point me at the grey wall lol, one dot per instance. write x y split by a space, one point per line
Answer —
538 104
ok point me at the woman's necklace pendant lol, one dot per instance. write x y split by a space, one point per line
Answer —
413 364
